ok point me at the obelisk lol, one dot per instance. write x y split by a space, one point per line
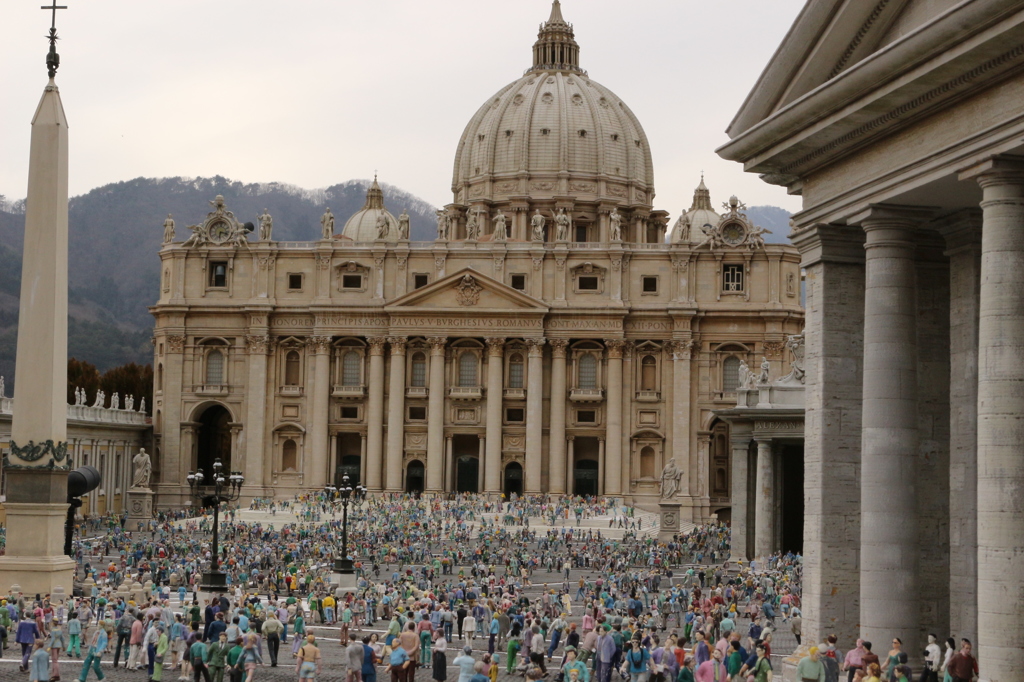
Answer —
37 467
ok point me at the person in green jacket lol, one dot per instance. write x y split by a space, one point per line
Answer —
162 645
686 670
219 657
571 664
199 656
734 660
810 667
299 628
235 660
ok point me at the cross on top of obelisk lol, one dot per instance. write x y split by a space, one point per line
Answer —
52 58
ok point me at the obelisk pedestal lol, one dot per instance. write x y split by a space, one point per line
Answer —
140 509
37 467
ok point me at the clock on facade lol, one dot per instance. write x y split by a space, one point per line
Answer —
219 232
733 234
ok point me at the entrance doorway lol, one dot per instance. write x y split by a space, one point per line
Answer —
791 495
214 441
466 453
585 470
414 474
513 479
349 461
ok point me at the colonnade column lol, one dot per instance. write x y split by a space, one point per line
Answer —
739 500
613 448
764 501
535 413
396 421
375 414
556 436
682 353
1000 406
255 405
320 386
889 433
435 415
492 453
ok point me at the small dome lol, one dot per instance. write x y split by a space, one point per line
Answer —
367 223
688 227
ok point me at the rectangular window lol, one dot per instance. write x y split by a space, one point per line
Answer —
351 281
581 233
515 415
219 274
586 417
732 277
588 283
350 413
417 414
650 284
420 280
519 282
295 281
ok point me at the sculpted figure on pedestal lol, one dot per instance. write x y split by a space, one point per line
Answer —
671 476
616 225
142 469
561 226
500 230
168 229
266 225
327 224
443 222
537 222
744 374
383 226
762 378
472 225
403 225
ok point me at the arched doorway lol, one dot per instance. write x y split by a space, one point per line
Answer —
466 456
414 475
214 440
513 479
585 470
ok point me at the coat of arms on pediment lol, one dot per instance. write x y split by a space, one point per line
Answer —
467 291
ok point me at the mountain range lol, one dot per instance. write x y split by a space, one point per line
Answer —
115 233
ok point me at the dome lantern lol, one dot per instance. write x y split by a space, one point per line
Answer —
556 48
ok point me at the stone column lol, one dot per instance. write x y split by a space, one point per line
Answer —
255 409
492 457
963 240
556 436
481 456
681 354
764 501
320 388
435 415
570 448
613 468
740 441
535 414
447 463
833 355
374 414
889 599
1000 406
600 464
396 420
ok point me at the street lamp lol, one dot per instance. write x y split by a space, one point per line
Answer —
225 489
343 564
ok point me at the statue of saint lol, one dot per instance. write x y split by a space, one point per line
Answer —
266 226
762 378
101 399
755 240
616 225
115 401
142 405
2 388
403 225
472 224
537 222
561 226
681 231
129 403
744 374
327 224
443 221
500 230
169 229
142 469
383 225
671 476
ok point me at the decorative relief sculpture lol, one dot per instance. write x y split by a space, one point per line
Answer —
537 223
266 225
142 469
500 229
671 477
327 224
219 228
795 344
403 225
616 225
467 292
169 229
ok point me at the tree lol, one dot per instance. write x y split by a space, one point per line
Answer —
131 379
82 374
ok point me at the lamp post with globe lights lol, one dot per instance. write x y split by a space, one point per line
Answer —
221 489
343 564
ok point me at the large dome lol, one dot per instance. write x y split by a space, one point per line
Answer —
554 132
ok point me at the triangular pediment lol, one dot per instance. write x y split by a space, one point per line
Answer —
467 291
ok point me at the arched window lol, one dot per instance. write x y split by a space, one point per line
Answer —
467 370
588 371
515 371
350 363
647 462
289 456
648 373
419 370
291 368
215 368
731 374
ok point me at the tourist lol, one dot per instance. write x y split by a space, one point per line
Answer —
854 660
251 657
354 660
370 659
638 662
39 663
893 659
162 647
762 668
95 652
439 660
465 662
217 657
272 629
810 666
399 665
932 660
26 635
199 656
712 670
56 643
308 665
963 666
947 655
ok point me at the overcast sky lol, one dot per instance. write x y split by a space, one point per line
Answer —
316 92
